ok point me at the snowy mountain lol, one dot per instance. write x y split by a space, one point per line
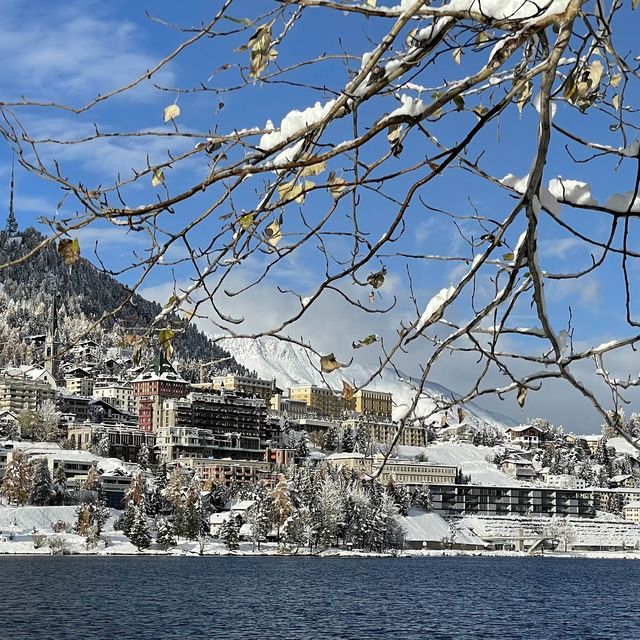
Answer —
292 365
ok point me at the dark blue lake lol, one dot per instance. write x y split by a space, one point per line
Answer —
91 598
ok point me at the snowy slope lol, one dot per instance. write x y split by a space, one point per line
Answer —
471 459
292 365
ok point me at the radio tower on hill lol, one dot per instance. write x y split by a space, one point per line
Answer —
11 227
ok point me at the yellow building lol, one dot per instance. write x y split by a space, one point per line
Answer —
320 400
373 403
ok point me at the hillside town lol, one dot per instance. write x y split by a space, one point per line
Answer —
101 444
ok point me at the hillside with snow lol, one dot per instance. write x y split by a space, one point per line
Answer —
293 365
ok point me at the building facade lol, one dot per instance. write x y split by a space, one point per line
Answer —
295 409
251 387
119 394
373 403
152 387
457 499
79 386
322 401
175 443
124 441
18 392
385 431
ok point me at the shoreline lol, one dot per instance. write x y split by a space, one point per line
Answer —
330 554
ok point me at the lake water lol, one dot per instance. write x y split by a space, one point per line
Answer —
228 598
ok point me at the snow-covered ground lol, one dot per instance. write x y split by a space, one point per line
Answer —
588 533
292 365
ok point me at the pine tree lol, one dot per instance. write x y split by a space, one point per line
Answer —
143 456
139 533
60 490
298 529
348 440
91 515
218 496
400 497
360 437
16 484
83 519
261 519
103 448
386 531
137 491
174 492
358 514
42 491
229 534
157 501
134 499
165 535
421 498
302 448
193 513
328 514
331 438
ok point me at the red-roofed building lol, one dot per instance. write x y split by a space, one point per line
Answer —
158 382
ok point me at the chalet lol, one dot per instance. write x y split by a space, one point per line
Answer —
623 480
525 435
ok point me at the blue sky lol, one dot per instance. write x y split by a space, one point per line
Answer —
71 51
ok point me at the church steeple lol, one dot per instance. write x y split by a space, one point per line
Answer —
12 226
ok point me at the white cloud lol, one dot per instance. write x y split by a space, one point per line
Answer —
65 51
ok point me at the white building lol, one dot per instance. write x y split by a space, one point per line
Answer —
631 512
119 394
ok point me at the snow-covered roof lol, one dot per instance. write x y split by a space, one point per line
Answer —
76 455
25 445
242 505
524 427
622 446
33 372
346 456
621 478
519 461
216 519
160 369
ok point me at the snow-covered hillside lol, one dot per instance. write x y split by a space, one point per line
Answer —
472 460
292 365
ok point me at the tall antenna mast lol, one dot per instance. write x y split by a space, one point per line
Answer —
12 225
13 173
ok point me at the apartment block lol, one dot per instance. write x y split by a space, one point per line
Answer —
456 499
